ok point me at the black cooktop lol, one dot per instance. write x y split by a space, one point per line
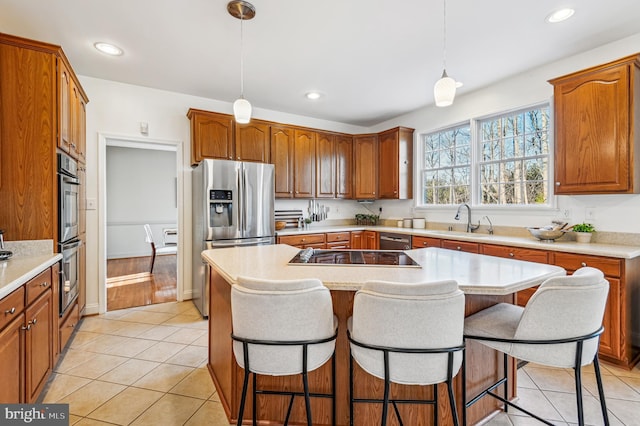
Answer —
354 257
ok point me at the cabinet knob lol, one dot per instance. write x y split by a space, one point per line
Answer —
424 243
374 192
459 248
10 311
231 157
239 158
557 183
44 284
34 321
583 264
27 328
511 255
297 192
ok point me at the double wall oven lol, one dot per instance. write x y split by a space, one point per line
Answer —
68 214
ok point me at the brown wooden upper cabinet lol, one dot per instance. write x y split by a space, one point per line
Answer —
282 139
395 163
72 114
64 125
211 135
344 166
325 165
253 141
365 164
596 145
304 167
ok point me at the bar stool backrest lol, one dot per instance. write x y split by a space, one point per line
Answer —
401 315
291 310
563 307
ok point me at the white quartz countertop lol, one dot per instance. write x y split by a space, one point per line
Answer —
609 250
17 270
475 273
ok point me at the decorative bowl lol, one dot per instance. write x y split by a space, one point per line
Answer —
546 235
280 224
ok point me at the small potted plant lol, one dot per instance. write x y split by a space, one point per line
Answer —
583 232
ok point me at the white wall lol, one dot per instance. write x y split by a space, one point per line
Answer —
141 188
613 213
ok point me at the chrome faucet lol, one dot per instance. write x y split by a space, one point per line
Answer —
490 229
470 227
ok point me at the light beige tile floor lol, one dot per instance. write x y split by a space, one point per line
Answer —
147 366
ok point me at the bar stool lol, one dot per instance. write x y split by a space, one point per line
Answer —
559 327
283 328
408 334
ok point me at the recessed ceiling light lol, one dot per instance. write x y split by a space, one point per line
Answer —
560 15
313 95
108 48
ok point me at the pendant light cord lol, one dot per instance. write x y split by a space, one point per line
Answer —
241 58
444 36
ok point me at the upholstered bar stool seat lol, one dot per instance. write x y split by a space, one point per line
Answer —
560 327
282 328
408 334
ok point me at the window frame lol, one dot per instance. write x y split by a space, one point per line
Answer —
475 124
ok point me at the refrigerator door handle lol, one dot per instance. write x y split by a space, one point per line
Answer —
240 198
245 203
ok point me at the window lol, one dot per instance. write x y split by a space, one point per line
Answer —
505 161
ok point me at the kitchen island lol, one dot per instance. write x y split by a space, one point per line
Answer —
485 280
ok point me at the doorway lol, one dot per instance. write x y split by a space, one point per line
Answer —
139 188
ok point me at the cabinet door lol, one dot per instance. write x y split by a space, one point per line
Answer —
530 255
38 345
11 365
304 155
253 141
592 142
211 136
388 164
365 158
74 126
370 240
344 167
356 239
64 108
611 342
282 159
325 166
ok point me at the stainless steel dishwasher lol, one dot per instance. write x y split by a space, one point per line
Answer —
391 241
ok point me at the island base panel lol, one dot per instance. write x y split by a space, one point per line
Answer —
484 366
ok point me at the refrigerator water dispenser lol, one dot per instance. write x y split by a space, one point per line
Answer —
220 208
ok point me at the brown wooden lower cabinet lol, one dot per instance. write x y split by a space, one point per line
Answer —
418 242
485 366
370 240
27 340
460 246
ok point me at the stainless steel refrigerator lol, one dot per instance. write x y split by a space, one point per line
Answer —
232 206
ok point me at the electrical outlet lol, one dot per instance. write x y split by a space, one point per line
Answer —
590 214
566 214
92 204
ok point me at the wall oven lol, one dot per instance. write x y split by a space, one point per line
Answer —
68 216
69 273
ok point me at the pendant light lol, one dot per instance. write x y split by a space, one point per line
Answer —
242 10
445 89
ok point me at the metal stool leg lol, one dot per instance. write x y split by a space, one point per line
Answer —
245 382
603 403
350 387
385 403
305 383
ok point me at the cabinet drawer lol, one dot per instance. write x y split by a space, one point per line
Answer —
461 246
11 306
38 285
609 266
332 237
299 240
530 255
422 242
345 245
69 325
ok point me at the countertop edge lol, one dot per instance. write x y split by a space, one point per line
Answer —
28 267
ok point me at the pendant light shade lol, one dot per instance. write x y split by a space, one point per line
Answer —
241 10
444 90
242 111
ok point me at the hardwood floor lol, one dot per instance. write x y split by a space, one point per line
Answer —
129 283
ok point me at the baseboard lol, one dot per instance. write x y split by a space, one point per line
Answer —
91 309
187 294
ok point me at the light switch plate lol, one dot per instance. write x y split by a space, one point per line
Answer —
92 204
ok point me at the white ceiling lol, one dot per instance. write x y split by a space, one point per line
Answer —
373 59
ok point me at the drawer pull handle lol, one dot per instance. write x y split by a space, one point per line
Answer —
44 284
583 264
34 321
10 311
511 254
27 328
